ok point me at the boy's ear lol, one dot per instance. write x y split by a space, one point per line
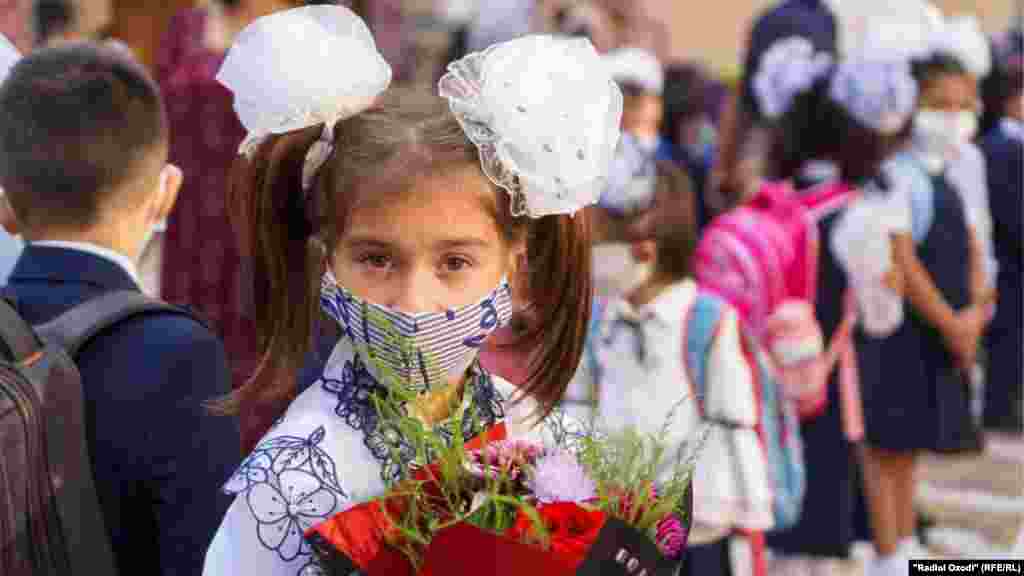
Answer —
171 178
8 221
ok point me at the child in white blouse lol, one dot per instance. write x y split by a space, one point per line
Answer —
644 381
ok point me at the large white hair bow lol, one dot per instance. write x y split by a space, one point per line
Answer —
303 67
884 30
963 38
879 93
788 68
544 114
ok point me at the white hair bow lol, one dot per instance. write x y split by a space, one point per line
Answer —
879 93
300 68
962 38
544 114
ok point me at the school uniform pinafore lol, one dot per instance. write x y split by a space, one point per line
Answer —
918 399
834 514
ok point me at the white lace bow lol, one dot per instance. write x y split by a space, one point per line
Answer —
303 67
544 114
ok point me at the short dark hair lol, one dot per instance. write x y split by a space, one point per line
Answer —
77 123
937 64
674 251
51 17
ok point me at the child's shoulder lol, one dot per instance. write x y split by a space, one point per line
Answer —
905 168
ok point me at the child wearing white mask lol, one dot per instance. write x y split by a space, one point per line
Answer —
631 177
921 399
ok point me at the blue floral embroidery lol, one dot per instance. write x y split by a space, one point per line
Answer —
488 322
290 484
356 390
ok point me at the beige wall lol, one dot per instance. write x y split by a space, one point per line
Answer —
716 35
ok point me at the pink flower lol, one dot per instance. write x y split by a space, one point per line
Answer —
671 536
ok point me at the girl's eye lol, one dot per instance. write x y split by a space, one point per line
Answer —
456 263
375 260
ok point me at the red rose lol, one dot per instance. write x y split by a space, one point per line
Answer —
573 530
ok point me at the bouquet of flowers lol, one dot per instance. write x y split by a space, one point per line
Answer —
587 505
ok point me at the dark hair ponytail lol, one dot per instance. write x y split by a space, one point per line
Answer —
276 232
803 133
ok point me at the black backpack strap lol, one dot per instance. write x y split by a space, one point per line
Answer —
76 327
15 334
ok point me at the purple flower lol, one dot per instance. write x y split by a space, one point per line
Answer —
671 536
558 477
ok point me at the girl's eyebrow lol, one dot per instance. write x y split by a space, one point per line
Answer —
466 242
362 241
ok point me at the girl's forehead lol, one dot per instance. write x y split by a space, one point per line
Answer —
456 199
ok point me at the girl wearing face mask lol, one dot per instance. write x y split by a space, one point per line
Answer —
918 398
400 222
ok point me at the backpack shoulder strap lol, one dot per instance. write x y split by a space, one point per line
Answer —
76 327
701 326
15 334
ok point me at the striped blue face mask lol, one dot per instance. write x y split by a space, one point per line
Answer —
416 351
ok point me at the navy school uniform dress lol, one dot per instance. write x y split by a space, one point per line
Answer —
916 398
834 512
1003 149
159 458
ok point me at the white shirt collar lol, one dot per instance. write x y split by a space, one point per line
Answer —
932 163
1013 128
124 262
665 308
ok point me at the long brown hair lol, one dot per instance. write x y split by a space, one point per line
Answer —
406 135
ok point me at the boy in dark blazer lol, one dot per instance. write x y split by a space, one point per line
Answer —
83 152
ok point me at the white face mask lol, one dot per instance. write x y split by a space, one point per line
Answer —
631 178
939 134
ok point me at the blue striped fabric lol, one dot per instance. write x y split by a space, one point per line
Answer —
421 350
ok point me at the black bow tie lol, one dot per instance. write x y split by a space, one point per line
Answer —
632 323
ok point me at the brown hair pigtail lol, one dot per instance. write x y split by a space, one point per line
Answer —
558 252
277 236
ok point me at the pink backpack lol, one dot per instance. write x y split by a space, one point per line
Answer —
762 257
760 254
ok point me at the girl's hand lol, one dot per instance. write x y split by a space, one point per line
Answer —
962 340
893 280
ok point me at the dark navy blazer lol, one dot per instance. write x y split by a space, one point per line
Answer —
159 457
